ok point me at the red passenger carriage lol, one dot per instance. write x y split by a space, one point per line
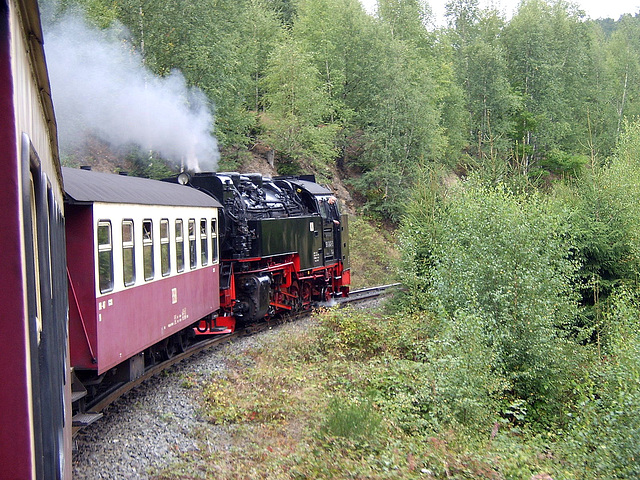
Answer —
142 263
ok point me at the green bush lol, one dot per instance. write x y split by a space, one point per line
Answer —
603 440
418 239
349 332
354 420
495 265
467 382
405 393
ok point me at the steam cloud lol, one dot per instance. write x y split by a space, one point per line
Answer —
101 88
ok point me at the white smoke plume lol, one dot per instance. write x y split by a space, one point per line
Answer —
101 88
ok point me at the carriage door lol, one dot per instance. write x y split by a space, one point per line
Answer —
47 313
330 229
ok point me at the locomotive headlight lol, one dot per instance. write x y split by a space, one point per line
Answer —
184 178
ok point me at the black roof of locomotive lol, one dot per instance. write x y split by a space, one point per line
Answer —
311 187
308 182
84 187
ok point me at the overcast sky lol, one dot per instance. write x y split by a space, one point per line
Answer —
594 8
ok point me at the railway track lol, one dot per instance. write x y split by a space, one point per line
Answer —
101 401
363 294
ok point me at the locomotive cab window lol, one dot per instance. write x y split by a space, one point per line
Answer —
179 246
204 242
128 253
147 249
165 263
193 261
214 240
105 257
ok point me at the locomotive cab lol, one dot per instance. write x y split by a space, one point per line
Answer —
335 226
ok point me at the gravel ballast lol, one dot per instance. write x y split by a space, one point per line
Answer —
154 423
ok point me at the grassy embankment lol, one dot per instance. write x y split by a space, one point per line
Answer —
347 396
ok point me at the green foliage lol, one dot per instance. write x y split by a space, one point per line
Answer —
373 255
405 391
603 235
547 57
404 133
417 238
413 396
468 381
503 273
349 333
432 376
604 219
296 108
602 440
356 420
559 163
532 97
494 264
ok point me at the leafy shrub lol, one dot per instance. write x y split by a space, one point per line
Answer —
418 239
405 392
603 437
495 265
560 162
349 332
467 383
605 229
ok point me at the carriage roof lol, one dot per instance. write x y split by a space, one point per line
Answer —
84 187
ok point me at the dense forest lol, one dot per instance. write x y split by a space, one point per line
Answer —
505 155
324 84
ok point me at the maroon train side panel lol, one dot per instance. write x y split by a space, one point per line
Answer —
35 439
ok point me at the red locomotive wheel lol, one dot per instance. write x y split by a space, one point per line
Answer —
306 293
295 299
326 294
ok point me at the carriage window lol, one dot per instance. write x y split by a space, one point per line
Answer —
105 257
204 242
193 262
147 249
179 247
214 241
128 253
165 262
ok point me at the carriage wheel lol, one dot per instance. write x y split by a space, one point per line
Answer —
180 342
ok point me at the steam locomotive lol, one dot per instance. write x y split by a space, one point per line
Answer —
283 244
